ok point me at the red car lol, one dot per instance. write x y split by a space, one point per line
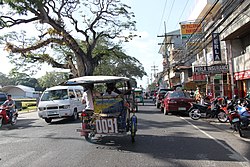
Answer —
176 101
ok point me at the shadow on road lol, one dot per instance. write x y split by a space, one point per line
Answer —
169 148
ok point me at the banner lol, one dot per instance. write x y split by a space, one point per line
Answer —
216 47
215 69
189 29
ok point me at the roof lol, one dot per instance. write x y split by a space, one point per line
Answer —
22 87
95 79
64 87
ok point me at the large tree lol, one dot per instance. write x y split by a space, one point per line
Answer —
60 23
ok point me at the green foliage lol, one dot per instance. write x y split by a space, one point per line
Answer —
52 79
57 24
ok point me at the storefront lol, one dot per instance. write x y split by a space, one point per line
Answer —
243 82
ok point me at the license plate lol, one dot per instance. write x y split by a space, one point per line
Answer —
52 112
235 120
182 108
105 126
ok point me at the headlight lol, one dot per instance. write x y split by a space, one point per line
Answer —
66 106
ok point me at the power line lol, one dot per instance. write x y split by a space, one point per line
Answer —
170 11
162 15
182 13
154 68
213 26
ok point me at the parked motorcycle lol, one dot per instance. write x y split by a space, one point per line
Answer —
5 118
239 117
209 110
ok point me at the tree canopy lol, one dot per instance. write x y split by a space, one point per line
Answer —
60 24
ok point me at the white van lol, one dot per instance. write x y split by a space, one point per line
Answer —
59 102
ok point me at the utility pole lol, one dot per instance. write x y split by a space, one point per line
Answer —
166 54
154 68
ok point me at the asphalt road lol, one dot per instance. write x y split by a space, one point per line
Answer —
161 141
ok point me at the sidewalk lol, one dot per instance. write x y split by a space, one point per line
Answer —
25 111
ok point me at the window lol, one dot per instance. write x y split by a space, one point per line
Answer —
78 93
50 95
71 93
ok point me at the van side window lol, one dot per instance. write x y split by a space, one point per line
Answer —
71 93
78 93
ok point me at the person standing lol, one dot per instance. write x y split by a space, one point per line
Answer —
87 97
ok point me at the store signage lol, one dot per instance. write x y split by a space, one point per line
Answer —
216 46
215 69
242 75
199 77
190 29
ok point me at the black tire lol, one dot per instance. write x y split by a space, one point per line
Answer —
195 114
1 122
75 115
14 120
90 137
158 105
165 112
136 108
133 128
48 120
133 132
237 128
222 117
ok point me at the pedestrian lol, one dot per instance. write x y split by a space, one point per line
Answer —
10 106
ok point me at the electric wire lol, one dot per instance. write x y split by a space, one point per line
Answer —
203 37
213 27
173 2
162 15
182 14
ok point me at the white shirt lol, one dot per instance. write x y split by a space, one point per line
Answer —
87 97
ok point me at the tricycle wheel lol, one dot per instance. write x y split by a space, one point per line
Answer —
90 137
133 127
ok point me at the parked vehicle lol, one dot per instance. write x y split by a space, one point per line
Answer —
159 96
239 117
211 110
139 97
176 101
3 97
111 115
60 102
4 117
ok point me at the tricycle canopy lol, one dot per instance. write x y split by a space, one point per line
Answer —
95 79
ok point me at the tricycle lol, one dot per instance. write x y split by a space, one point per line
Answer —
112 113
138 93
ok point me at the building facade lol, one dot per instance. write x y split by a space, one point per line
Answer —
218 52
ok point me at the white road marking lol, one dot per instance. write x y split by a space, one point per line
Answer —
235 155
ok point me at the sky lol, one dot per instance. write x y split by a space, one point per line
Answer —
150 16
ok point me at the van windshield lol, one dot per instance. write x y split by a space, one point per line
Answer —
60 94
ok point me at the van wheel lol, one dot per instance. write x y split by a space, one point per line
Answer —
75 115
48 120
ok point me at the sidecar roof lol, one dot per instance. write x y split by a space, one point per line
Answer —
95 79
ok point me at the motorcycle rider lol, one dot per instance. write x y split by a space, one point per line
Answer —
10 106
